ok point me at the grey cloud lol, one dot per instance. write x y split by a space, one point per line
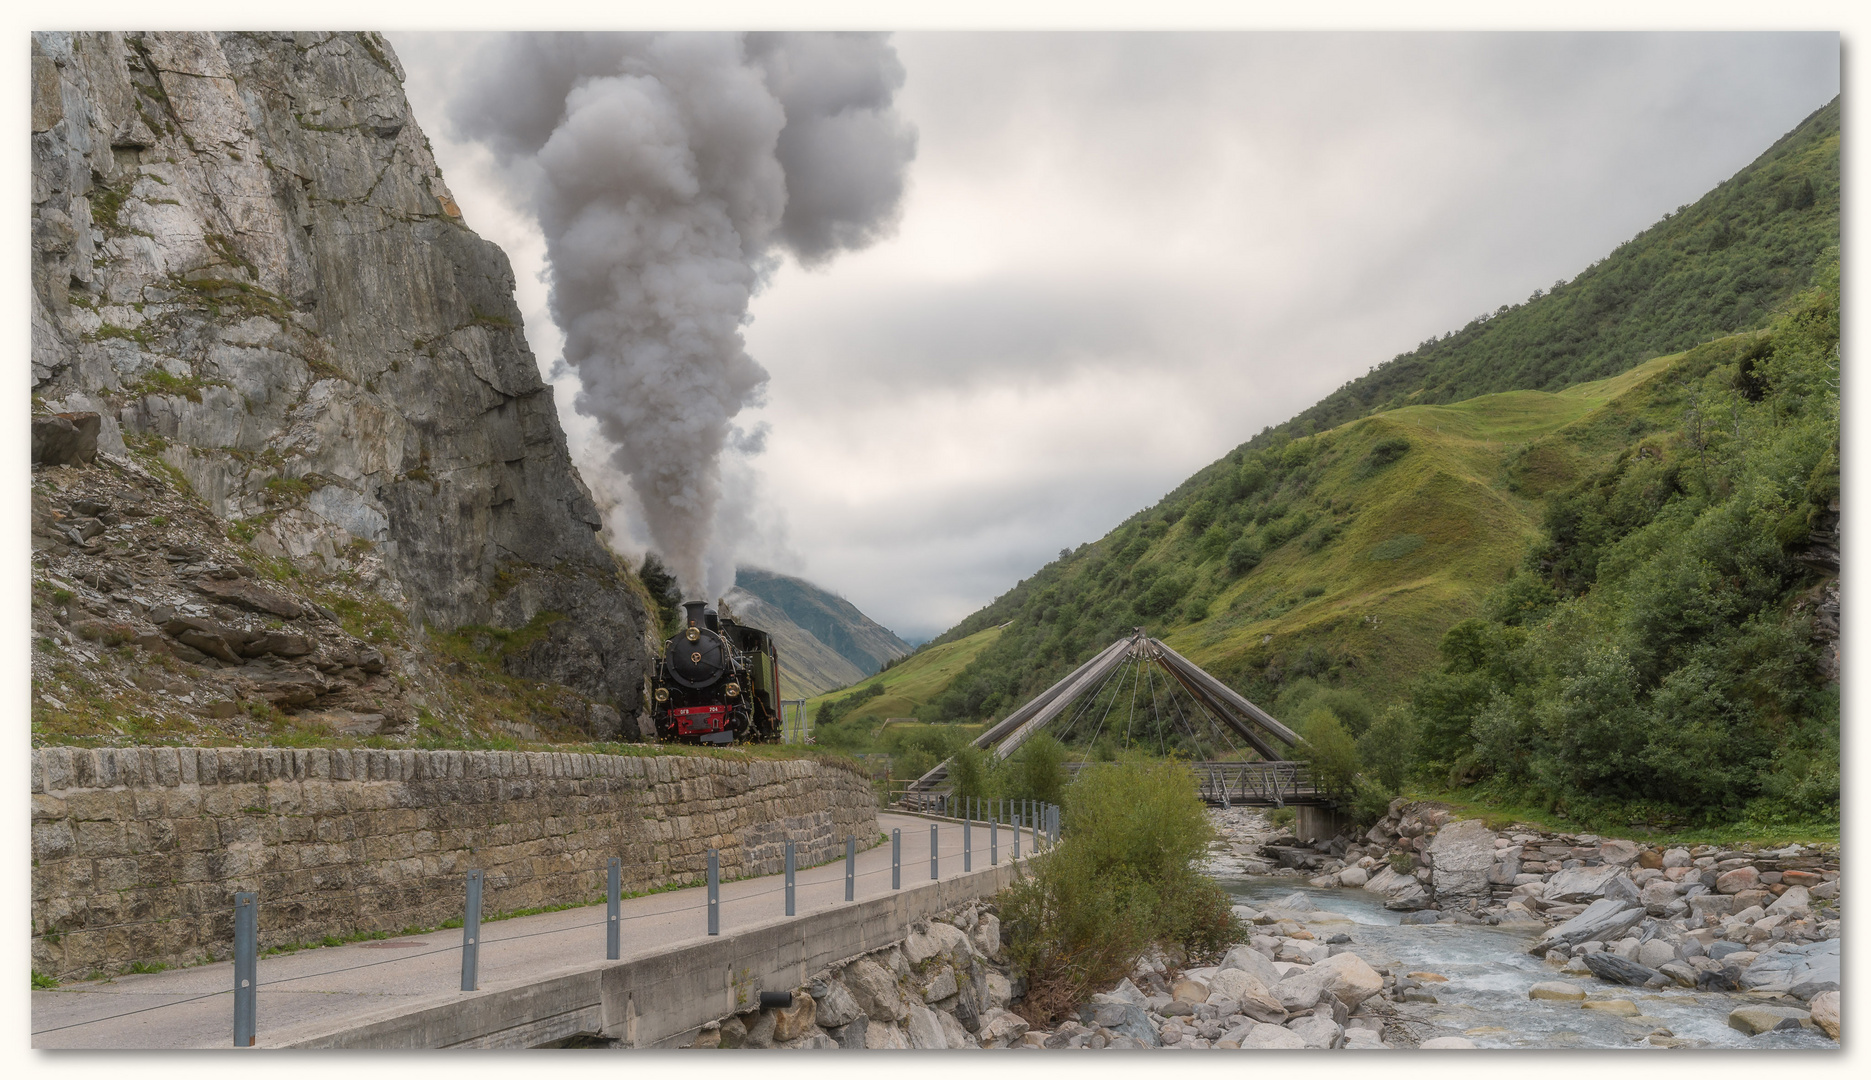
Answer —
667 172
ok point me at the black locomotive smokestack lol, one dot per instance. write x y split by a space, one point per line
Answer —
696 610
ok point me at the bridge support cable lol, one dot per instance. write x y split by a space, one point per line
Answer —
1247 709
1225 713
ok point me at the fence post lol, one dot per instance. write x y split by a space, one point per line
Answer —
1016 836
896 858
967 845
791 908
714 891
932 851
851 867
246 965
471 934
993 843
613 928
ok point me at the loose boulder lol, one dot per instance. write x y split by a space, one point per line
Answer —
1462 854
1603 920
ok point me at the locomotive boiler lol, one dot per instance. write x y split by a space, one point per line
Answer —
718 682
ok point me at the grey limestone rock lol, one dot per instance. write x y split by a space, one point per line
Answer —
245 257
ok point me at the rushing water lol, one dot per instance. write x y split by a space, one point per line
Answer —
1489 974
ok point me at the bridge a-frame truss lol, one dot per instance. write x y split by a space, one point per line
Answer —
1216 706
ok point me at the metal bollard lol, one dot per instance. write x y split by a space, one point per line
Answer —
613 926
967 845
993 843
246 963
791 907
471 935
896 858
1016 837
851 867
932 851
714 891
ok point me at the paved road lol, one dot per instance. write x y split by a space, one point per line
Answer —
315 989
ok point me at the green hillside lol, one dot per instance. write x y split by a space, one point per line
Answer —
1467 527
1343 558
1719 266
905 689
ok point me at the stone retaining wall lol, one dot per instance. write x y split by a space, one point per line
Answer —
137 852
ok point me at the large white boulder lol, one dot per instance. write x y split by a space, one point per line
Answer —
1462 854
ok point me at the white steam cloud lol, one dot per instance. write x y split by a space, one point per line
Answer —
669 173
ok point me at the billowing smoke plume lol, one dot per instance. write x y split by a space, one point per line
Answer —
669 173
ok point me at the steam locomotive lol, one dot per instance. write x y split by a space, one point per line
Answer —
718 682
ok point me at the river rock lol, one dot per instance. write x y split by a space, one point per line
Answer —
1249 995
1587 883
1354 877
1825 1012
1272 1037
1657 896
957 1036
1755 1019
1189 992
1799 970
1124 1019
1363 1039
1614 968
1795 899
1556 991
1740 879
1318 1032
1708 904
1000 1028
1679 973
1603 920
1254 962
1613 1006
1461 856
1655 953
1346 977
876 992
1447 1042
1618 852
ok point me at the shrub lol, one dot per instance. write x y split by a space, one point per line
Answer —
1243 555
1125 877
1329 752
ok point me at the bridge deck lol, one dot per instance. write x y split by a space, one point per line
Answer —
318 995
1219 783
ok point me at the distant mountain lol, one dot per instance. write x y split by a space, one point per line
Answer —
825 642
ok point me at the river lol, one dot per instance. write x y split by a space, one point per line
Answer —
1489 974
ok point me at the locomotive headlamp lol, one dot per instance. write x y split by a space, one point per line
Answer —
694 634
733 689
662 693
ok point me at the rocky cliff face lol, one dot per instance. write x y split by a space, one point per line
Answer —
247 262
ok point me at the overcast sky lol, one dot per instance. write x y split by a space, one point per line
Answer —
1120 256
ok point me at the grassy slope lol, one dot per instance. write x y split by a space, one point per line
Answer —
912 683
1469 487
